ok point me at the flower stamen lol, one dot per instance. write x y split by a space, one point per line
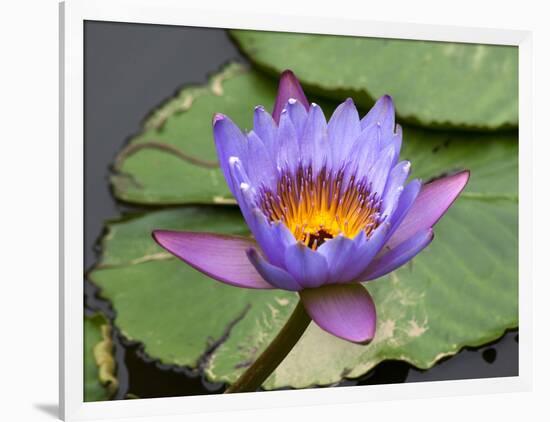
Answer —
319 208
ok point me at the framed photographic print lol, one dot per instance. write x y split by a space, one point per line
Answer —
308 210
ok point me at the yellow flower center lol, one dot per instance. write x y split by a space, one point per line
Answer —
319 208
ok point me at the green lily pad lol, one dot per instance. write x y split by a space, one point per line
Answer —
491 158
462 291
173 160
100 382
432 83
179 314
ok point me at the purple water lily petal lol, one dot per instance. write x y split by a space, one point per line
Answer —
432 202
230 142
261 170
220 257
344 310
340 253
298 114
379 172
244 191
382 114
365 151
406 201
366 250
288 154
289 87
343 128
394 187
273 238
266 129
275 276
401 254
397 140
314 143
308 267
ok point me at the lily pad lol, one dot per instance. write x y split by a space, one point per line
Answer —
180 315
173 160
433 83
100 382
462 291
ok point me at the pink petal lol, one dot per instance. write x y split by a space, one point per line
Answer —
344 310
220 257
289 87
432 202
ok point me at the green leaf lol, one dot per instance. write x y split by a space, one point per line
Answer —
491 158
432 83
179 314
99 365
461 291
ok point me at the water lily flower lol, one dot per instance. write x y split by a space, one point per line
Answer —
328 204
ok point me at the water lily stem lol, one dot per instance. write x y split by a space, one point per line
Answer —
270 359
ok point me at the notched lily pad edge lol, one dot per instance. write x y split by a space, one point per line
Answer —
185 96
364 99
184 370
488 340
141 352
109 315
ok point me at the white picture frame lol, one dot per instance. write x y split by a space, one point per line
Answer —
73 13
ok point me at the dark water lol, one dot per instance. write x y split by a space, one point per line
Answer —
129 69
